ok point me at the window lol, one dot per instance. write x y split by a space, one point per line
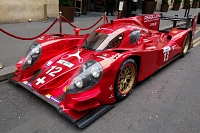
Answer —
100 41
134 36
114 43
94 40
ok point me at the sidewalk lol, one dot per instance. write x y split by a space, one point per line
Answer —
11 49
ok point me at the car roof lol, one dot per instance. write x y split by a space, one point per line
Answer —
116 28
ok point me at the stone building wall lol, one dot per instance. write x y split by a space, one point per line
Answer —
12 11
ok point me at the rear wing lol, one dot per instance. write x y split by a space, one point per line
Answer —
152 21
190 21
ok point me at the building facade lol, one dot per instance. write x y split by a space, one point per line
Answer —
12 11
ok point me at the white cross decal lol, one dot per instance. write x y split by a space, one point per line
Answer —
110 88
40 80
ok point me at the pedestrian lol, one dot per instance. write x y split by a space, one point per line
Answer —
134 8
114 5
109 7
131 5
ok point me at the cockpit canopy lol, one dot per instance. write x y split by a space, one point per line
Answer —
100 41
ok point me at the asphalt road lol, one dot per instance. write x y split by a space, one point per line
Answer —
166 102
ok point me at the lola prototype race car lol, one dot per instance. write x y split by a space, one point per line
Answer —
83 76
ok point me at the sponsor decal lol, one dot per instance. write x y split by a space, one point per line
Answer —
153 24
27 83
65 88
175 31
55 100
65 63
166 49
77 55
102 57
49 63
151 17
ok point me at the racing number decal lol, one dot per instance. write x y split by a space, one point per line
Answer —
166 50
52 73
166 56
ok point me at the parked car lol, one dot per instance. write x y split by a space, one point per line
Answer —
83 76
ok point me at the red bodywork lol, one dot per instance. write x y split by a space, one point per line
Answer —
51 78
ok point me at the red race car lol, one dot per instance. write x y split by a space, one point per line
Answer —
83 76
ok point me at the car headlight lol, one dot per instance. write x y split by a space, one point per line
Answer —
78 82
32 55
86 77
95 71
29 60
36 50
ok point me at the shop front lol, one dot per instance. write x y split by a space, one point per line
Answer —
100 6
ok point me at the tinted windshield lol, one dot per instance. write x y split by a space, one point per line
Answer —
101 41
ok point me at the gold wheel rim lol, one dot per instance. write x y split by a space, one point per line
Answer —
126 79
186 45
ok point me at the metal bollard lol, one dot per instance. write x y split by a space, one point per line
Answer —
45 13
1 65
198 20
60 16
76 31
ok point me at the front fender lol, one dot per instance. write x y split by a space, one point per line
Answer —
52 45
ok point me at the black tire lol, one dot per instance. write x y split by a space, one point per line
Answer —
186 45
127 74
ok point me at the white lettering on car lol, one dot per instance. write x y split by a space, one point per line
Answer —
153 24
111 96
151 17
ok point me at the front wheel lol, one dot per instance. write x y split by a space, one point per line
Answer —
125 79
186 45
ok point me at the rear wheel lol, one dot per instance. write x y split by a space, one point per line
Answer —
125 79
186 45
